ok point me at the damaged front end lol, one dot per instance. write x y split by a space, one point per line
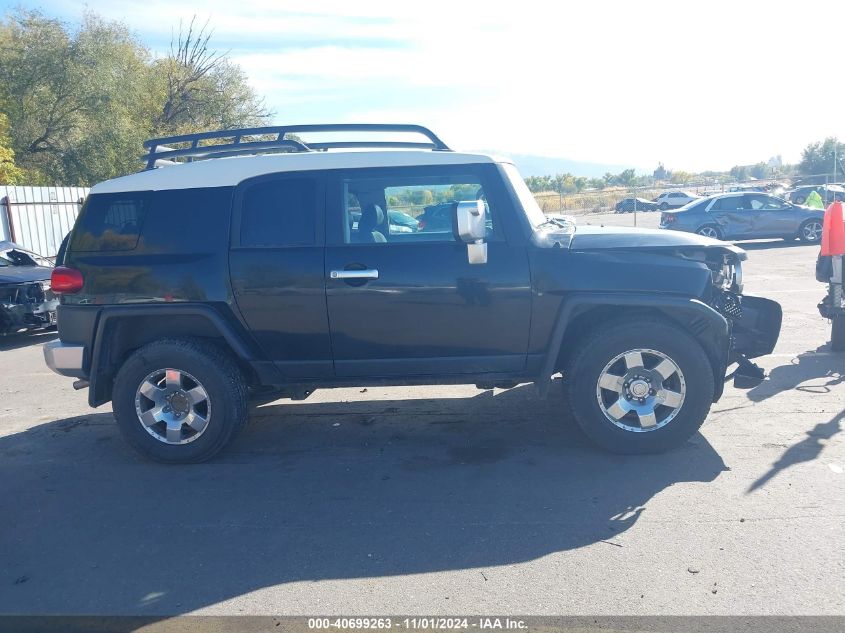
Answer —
26 306
755 321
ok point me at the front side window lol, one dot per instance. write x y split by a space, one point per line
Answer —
407 208
764 203
279 212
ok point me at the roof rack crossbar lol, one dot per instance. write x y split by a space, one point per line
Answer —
158 146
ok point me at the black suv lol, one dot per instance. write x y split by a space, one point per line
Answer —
232 267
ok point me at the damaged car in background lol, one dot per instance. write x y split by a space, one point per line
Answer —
26 300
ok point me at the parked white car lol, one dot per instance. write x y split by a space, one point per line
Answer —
674 199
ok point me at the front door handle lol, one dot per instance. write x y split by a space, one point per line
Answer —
354 274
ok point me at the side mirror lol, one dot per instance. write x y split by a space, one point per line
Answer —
471 228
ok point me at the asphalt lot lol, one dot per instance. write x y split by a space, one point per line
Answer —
439 500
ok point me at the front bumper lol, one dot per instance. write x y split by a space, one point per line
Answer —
65 359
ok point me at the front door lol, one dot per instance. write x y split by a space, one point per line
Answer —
772 217
406 302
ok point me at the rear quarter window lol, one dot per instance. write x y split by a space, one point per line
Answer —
110 222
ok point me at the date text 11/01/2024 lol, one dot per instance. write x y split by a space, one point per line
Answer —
420 623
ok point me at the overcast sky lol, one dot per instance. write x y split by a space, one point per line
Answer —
702 85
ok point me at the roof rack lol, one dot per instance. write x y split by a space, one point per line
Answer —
257 140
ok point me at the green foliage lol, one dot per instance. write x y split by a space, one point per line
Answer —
81 100
760 170
817 158
680 177
739 172
10 174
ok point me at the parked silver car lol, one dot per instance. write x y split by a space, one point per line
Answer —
746 216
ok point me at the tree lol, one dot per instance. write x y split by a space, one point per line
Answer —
760 170
739 172
627 177
680 177
10 174
817 158
202 89
81 100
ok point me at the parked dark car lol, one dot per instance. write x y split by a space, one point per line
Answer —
828 193
26 301
629 205
189 288
401 222
437 217
744 216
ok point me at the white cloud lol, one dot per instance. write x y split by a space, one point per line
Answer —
696 85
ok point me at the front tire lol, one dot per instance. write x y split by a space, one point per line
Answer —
179 401
639 387
837 333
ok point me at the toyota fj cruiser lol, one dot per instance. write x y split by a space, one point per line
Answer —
255 263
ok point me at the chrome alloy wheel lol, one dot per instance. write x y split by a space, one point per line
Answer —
709 231
172 406
641 390
812 231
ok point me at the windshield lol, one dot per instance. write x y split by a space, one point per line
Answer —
533 211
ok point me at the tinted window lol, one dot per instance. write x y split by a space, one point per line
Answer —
279 213
763 203
110 222
730 203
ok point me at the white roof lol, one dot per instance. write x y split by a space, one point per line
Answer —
229 171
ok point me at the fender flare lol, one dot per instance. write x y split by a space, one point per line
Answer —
714 333
112 313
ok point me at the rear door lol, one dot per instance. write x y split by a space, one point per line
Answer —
410 304
276 267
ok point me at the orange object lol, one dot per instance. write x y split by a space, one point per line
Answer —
833 231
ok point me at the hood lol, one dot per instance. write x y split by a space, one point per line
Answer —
590 238
24 274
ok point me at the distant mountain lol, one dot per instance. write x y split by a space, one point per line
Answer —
530 165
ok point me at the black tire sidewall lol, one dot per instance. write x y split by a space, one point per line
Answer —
677 345
837 333
205 367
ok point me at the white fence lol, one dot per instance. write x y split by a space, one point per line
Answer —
38 218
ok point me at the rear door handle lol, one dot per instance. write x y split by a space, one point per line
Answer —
354 274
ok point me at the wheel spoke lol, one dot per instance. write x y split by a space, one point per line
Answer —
173 378
633 360
197 395
152 416
647 419
619 409
666 368
196 421
670 398
174 431
611 382
151 391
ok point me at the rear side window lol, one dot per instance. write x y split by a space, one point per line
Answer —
111 222
279 212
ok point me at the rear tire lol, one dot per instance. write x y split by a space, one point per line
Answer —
648 427
202 392
810 231
664 206
837 333
710 230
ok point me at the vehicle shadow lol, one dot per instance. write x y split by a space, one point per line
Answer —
824 369
26 339
309 492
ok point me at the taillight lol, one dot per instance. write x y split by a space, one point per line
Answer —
667 218
66 281
421 225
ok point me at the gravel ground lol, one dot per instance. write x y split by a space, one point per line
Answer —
439 500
